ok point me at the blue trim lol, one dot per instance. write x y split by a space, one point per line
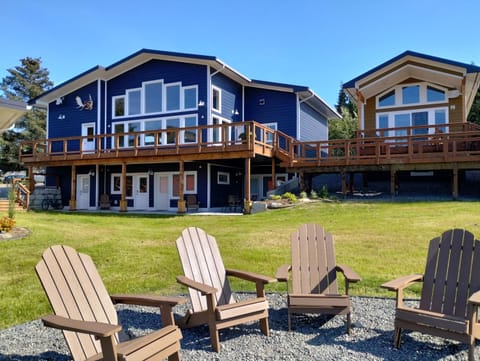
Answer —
469 68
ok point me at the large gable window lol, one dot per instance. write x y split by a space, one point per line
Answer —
411 94
155 97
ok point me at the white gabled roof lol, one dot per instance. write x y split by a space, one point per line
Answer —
10 112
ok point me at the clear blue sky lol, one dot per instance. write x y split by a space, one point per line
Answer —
315 43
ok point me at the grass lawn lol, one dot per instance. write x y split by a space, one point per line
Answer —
137 254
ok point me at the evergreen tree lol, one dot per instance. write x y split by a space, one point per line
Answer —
24 82
474 115
343 128
345 105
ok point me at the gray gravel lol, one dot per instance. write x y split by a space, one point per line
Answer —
313 337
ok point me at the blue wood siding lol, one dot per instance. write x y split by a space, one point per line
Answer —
169 72
231 97
220 192
268 106
313 126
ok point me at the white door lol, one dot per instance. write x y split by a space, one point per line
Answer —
88 143
140 191
83 191
162 200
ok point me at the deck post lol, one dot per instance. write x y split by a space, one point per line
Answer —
344 183
123 200
274 176
72 204
393 182
455 182
181 205
247 203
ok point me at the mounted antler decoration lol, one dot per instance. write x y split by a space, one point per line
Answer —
88 105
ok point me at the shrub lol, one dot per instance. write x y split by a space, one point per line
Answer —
275 197
290 196
6 224
11 202
323 193
303 195
313 194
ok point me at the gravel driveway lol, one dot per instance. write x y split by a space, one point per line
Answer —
312 337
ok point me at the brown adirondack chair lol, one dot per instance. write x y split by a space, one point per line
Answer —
450 294
85 312
212 300
192 202
314 275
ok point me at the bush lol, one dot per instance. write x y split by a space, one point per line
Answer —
290 196
275 197
6 224
323 193
313 194
303 195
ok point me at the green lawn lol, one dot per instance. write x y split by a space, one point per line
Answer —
137 254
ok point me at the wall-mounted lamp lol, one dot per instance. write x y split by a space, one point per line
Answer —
201 103
235 112
61 116
91 173
59 101
150 172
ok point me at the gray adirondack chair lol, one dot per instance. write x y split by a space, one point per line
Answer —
314 275
450 294
85 312
211 297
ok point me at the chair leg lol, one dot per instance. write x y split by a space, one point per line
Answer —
214 338
349 323
289 321
175 357
397 338
264 326
471 350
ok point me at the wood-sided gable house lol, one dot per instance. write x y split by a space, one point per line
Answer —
413 89
157 126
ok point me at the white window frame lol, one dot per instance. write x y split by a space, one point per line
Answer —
184 89
144 95
219 91
114 99
180 97
224 175
423 95
185 191
127 102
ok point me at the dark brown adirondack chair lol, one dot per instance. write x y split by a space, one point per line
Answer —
314 275
212 300
86 313
192 202
449 299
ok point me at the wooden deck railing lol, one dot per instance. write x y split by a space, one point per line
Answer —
453 142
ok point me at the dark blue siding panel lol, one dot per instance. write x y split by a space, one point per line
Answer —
66 119
231 97
268 106
169 72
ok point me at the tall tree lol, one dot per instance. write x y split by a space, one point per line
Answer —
342 128
345 105
24 82
474 115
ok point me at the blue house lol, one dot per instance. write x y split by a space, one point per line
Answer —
157 126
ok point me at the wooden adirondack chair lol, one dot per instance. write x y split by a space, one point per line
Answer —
86 313
314 275
192 202
209 289
450 294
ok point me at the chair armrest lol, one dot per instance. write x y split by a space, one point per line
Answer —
148 300
203 288
250 276
475 298
97 329
348 273
402 282
283 273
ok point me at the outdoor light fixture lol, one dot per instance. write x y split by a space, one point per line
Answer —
91 173
201 103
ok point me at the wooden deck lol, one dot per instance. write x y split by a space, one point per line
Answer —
445 146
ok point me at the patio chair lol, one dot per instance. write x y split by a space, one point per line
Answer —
104 201
449 299
211 297
85 312
314 275
192 202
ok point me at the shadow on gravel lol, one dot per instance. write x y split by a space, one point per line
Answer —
45 356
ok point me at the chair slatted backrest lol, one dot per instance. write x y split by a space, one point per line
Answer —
75 290
201 262
313 261
452 273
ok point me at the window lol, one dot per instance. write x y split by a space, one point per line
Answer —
117 185
173 97
134 101
411 94
190 97
435 95
223 178
150 137
190 135
153 97
430 116
269 135
216 99
189 184
387 99
172 123
118 141
133 127
118 106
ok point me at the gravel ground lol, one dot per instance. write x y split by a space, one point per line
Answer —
313 337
